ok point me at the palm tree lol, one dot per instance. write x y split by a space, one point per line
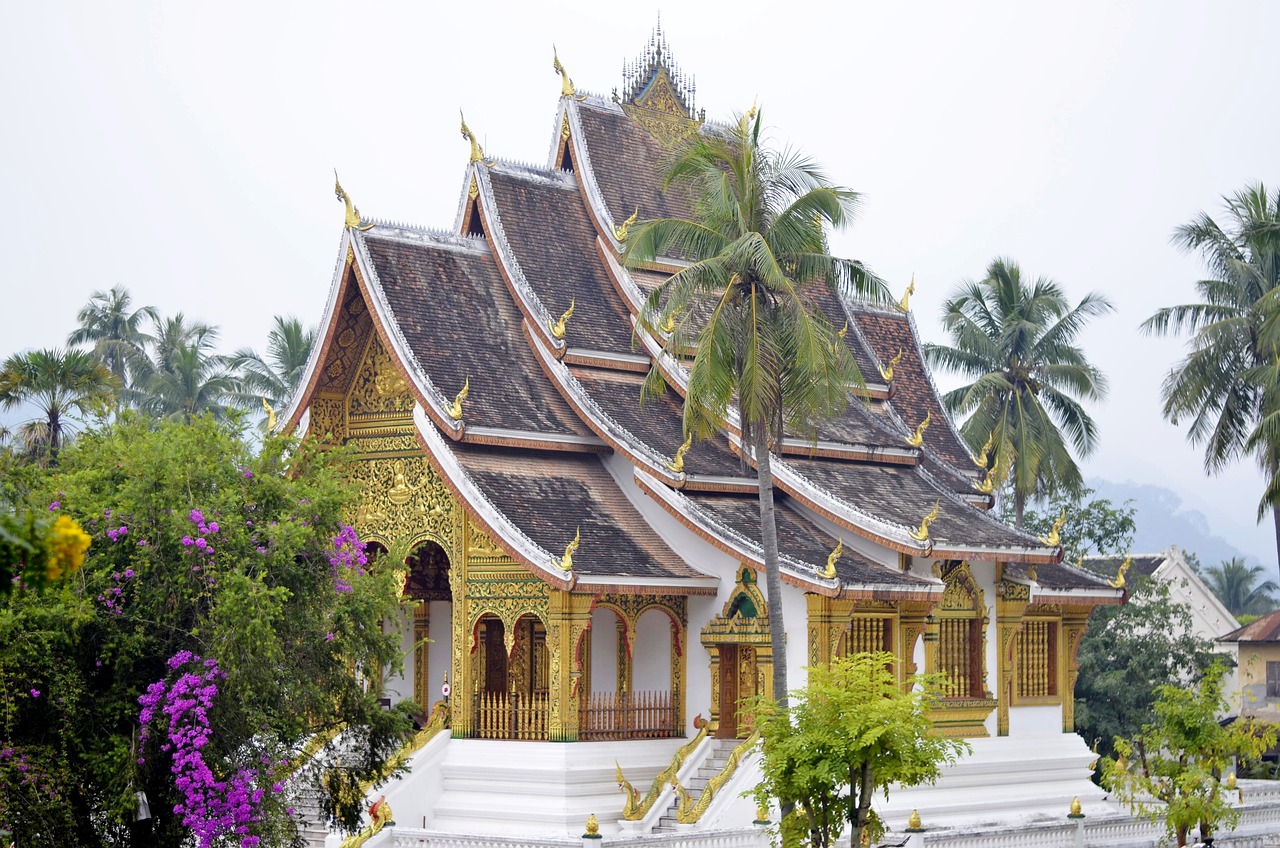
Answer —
1237 586
274 376
114 331
1016 342
58 383
167 338
193 382
1225 385
757 251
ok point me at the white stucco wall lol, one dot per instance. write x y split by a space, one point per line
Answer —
440 650
651 661
604 651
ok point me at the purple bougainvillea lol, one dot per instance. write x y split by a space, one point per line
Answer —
348 558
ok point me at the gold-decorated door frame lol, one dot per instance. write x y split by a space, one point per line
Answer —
744 621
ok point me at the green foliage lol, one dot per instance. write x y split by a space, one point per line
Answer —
848 734
273 377
1093 526
1174 769
263 603
1128 652
1236 585
60 384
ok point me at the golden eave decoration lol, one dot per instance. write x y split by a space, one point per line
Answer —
455 409
565 563
904 304
353 213
1119 582
916 439
271 415
477 152
830 571
558 326
922 535
985 454
677 463
566 84
1054 537
620 233
886 372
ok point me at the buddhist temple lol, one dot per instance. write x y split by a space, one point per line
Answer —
590 603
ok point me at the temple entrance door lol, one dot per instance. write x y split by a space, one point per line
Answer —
728 728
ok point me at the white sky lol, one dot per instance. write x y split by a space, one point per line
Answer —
186 150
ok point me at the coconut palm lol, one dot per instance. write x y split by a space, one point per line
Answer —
757 251
1016 342
193 382
274 376
1237 586
114 331
1226 386
58 383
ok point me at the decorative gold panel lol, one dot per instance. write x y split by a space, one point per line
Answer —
404 498
378 390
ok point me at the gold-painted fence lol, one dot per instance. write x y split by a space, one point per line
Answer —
509 715
628 715
954 654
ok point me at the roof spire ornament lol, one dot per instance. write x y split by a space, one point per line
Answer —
922 535
621 232
916 439
906 295
565 563
677 463
886 372
1118 583
455 409
832 558
566 84
985 454
271 414
353 214
558 326
477 152
1054 537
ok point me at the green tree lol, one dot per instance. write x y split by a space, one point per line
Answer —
1127 653
1236 585
1219 387
757 250
276 375
198 545
850 733
193 382
59 384
1017 342
114 330
1090 526
1173 770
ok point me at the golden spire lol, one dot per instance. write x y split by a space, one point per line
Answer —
477 152
353 214
677 464
830 571
620 233
906 295
981 459
886 372
271 415
916 439
1118 583
558 326
566 84
566 562
922 535
455 409
1054 537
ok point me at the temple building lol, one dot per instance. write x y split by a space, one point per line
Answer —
588 583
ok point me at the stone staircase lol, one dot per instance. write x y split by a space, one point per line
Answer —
717 757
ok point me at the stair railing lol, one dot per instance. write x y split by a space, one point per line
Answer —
636 808
687 813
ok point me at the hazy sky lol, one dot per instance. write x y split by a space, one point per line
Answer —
187 151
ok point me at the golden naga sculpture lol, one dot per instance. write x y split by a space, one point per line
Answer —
830 571
566 84
630 807
353 214
886 372
620 233
684 804
669 323
922 535
1054 537
677 464
455 409
477 152
904 304
988 484
984 455
1031 573
916 439
1119 582
271 415
565 563
558 326
380 816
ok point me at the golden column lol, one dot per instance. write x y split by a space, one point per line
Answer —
913 619
1011 602
568 620
1075 621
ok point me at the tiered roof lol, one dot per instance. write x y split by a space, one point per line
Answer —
528 458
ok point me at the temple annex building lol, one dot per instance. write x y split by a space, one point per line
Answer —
592 584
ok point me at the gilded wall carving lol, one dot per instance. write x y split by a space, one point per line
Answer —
328 418
404 497
378 389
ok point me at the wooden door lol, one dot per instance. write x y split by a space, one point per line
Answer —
728 728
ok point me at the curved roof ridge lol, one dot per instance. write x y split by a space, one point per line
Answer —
434 237
548 176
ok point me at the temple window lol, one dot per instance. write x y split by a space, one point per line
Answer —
1036 653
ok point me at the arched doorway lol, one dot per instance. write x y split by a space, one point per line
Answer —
741 657
513 672
427 582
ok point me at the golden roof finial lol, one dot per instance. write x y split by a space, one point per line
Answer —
620 233
353 214
477 152
1054 537
886 372
565 562
843 331
677 464
751 113
669 324
271 414
916 439
985 454
906 295
830 571
455 409
988 483
566 84
558 326
922 535
1118 583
